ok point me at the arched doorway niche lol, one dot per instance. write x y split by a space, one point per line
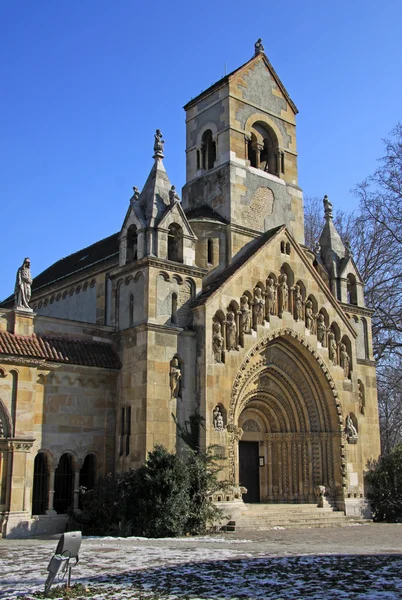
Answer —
285 405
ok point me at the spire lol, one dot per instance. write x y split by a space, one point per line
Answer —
332 248
155 196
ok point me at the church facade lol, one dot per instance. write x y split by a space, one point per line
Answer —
208 304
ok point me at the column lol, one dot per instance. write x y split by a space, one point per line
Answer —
76 489
50 494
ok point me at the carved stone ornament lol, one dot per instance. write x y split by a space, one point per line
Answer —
159 144
327 208
175 378
258 47
218 419
23 283
173 196
136 194
351 431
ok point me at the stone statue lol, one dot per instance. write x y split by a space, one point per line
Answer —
327 208
317 249
217 342
136 194
231 331
332 348
173 196
309 316
175 378
258 47
259 307
283 294
321 329
350 429
159 143
270 297
23 282
245 314
218 419
298 304
345 360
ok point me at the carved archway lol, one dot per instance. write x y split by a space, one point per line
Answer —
285 380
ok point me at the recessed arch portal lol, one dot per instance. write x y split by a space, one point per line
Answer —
285 387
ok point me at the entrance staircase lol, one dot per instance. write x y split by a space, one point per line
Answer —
262 517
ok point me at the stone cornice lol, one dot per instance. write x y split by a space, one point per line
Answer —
357 310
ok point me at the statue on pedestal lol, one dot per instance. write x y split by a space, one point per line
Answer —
23 283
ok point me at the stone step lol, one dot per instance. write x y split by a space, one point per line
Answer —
268 516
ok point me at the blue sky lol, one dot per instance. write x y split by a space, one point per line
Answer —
84 85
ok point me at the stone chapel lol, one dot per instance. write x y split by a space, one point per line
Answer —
208 303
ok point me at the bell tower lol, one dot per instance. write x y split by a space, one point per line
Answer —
241 154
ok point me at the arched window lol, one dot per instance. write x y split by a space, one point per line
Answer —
173 317
175 243
40 485
63 484
263 151
132 244
351 289
88 473
208 150
210 258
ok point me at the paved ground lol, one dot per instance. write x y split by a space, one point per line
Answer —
362 561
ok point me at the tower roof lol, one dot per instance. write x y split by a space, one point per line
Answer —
259 54
154 198
333 249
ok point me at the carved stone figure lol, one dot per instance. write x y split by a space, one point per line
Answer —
217 342
258 47
317 249
23 282
345 360
298 304
231 331
245 314
321 329
159 143
175 378
218 419
332 348
309 316
136 194
173 196
283 294
259 306
270 297
350 429
327 208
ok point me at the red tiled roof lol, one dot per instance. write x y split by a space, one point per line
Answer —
59 349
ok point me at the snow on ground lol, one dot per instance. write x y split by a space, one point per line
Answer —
209 568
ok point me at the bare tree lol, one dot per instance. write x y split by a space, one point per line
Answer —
375 235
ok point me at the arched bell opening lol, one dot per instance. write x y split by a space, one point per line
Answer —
290 440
